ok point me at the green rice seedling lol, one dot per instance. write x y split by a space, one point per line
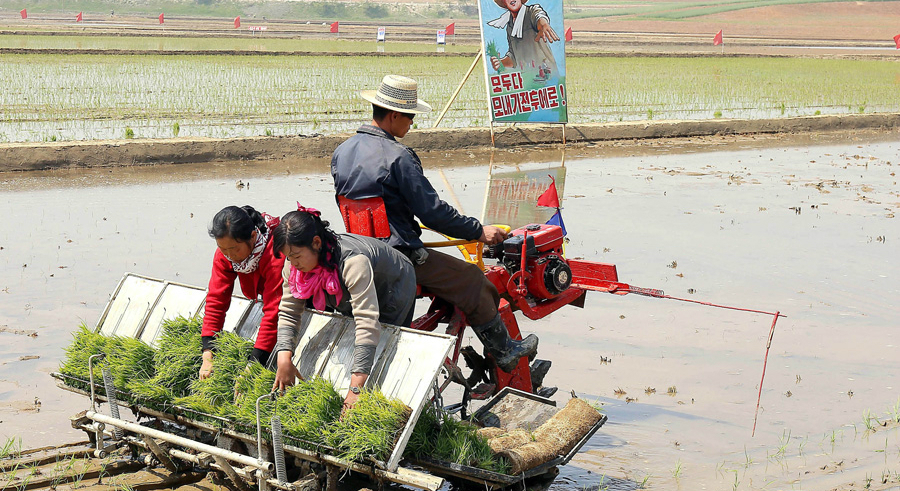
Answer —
308 407
439 435
130 360
643 484
86 343
421 442
255 381
129 133
370 428
177 362
870 420
176 128
894 412
230 359
717 114
11 448
678 470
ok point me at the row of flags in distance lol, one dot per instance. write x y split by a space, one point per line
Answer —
450 30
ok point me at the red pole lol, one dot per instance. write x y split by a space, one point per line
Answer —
765 360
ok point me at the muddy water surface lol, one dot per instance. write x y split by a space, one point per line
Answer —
803 226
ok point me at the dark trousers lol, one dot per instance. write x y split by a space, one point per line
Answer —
460 283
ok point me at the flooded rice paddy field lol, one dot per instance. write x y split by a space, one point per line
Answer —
64 97
803 225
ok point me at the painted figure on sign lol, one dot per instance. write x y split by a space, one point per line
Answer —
527 32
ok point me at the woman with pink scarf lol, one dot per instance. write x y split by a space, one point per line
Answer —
354 275
245 254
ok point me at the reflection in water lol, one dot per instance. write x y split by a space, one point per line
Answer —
512 193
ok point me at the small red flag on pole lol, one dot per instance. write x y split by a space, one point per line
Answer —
717 40
451 29
896 38
24 13
550 198
162 18
237 22
335 27
79 17
568 34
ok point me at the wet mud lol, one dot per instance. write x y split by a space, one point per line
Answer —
805 225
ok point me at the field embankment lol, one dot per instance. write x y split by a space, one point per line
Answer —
106 153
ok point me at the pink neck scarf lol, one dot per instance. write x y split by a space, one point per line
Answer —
315 284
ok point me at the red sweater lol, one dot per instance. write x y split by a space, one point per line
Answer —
265 281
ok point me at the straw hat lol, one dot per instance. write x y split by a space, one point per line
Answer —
397 94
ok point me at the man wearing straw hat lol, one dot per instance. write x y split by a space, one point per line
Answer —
373 163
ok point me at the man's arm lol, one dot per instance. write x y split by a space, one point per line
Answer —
427 206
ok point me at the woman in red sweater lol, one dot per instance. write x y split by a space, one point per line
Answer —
245 253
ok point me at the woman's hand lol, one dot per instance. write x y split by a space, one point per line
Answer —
287 373
206 368
349 401
357 380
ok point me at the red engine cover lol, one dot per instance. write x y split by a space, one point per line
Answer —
546 237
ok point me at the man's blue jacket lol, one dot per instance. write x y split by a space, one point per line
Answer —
373 164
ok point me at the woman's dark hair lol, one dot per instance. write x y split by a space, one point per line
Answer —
298 228
237 223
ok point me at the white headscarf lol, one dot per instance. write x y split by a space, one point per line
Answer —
250 264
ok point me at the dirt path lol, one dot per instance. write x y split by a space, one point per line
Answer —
107 153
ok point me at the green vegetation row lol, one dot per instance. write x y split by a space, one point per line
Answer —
166 379
85 97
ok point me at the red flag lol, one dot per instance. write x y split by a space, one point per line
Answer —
451 29
568 34
237 22
549 199
717 40
79 17
162 18
23 13
896 38
335 27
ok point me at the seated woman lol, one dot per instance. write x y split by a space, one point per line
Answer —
357 276
245 252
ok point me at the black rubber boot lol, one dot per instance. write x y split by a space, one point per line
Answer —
498 344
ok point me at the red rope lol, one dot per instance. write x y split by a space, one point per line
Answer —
720 306
777 314
765 360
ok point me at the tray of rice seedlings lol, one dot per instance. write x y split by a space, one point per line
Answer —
254 381
440 438
177 363
214 395
308 407
370 428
